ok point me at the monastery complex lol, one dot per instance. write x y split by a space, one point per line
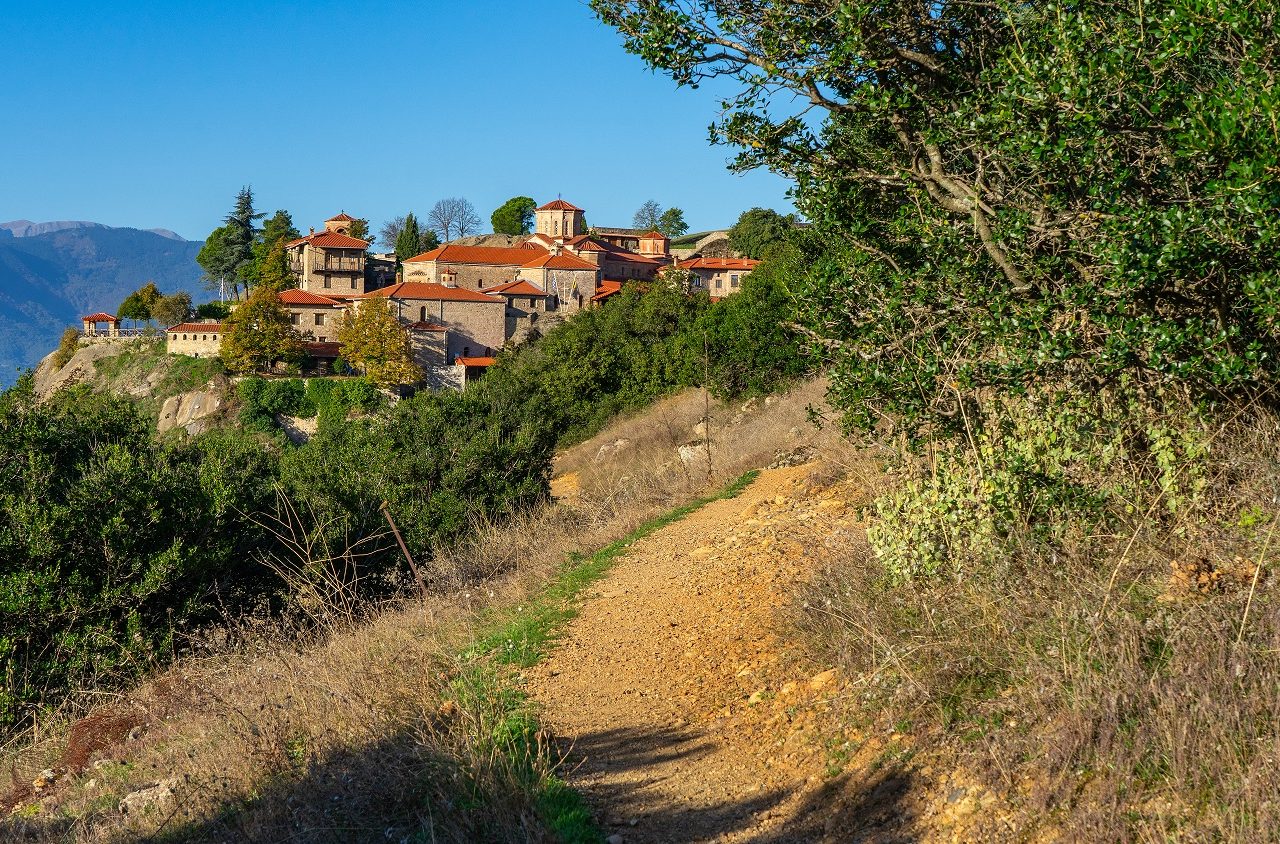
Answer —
460 304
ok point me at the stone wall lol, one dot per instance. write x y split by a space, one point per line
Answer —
196 344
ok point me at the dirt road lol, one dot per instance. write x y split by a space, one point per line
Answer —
683 715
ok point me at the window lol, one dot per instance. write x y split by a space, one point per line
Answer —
533 303
422 314
322 338
293 319
325 282
719 283
480 282
733 281
184 336
319 319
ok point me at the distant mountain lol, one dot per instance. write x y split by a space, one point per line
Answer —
52 276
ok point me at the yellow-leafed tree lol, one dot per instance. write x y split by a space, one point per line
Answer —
372 340
257 334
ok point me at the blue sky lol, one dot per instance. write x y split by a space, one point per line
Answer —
154 114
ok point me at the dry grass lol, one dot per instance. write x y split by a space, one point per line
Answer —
1112 690
364 730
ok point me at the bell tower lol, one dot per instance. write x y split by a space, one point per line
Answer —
559 219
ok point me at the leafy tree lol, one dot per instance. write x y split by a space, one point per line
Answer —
671 222
360 228
427 240
373 340
648 216
171 310
67 347
407 240
389 234
274 272
757 230
453 217
138 305
213 310
515 216
278 228
258 334
1021 194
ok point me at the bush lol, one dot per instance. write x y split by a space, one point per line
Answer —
66 348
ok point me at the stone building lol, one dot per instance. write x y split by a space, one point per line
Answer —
475 323
194 339
569 280
314 317
720 277
330 262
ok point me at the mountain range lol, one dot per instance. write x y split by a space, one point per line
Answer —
53 273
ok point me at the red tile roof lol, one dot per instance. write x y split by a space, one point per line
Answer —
198 327
321 350
519 287
653 235
719 264
630 257
100 317
559 205
503 256
607 289
302 297
330 240
426 290
587 244
559 262
426 326
475 361
341 218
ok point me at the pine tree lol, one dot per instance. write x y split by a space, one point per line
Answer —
240 234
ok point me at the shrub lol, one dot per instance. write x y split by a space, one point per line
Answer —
66 348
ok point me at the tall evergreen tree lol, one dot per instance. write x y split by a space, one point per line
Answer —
277 229
241 234
407 240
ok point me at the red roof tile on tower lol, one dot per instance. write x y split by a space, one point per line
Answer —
100 317
559 205
302 297
507 256
198 327
559 262
341 218
518 288
329 240
719 264
427 290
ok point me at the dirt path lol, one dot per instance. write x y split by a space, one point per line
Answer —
683 716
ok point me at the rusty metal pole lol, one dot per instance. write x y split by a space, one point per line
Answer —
413 567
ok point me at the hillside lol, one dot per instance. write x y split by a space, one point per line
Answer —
49 279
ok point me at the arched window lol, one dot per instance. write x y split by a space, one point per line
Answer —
422 314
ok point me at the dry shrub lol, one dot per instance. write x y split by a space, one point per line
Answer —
1105 699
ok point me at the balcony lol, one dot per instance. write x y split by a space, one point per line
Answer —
337 267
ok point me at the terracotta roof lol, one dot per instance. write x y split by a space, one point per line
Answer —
426 290
330 240
559 205
302 297
719 264
426 326
321 350
653 235
630 257
512 256
344 217
520 287
559 262
587 244
198 327
100 317
475 361
607 289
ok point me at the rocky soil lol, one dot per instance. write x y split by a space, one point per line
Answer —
686 716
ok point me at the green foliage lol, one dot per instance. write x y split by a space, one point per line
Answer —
278 229
171 310
360 229
259 334
228 253
1024 194
373 340
274 272
671 222
138 305
1031 474
515 216
758 230
213 310
407 240
66 348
